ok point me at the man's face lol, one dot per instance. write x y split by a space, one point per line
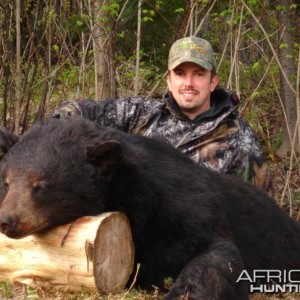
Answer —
191 86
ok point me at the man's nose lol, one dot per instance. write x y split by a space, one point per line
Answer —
188 81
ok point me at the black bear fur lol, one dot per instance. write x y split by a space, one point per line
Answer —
200 228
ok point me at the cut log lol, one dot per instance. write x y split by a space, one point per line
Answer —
88 254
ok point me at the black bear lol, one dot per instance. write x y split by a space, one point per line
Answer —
197 227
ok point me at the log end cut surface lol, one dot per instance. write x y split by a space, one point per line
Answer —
113 254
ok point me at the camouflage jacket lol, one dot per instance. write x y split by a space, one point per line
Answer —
218 139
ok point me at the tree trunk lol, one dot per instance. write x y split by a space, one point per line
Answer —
92 252
102 42
138 44
48 43
287 61
18 69
183 22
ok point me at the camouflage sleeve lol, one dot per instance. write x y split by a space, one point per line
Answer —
249 162
118 113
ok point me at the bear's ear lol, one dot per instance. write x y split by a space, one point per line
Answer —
7 140
105 156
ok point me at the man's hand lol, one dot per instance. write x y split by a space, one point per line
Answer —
67 109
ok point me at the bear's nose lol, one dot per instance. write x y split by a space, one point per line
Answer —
6 223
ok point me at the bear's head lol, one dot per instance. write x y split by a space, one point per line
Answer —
58 171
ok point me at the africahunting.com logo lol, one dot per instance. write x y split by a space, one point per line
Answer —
271 281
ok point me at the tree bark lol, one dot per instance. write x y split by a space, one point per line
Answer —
92 252
138 45
48 43
103 39
18 69
287 61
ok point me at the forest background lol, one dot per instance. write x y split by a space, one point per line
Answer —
55 50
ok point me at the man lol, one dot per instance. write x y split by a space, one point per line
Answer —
196 116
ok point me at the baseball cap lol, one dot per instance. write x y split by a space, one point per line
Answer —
192 49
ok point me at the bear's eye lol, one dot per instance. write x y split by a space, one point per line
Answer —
38 185
3 189
6 183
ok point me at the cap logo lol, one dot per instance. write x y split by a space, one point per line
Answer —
187 45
